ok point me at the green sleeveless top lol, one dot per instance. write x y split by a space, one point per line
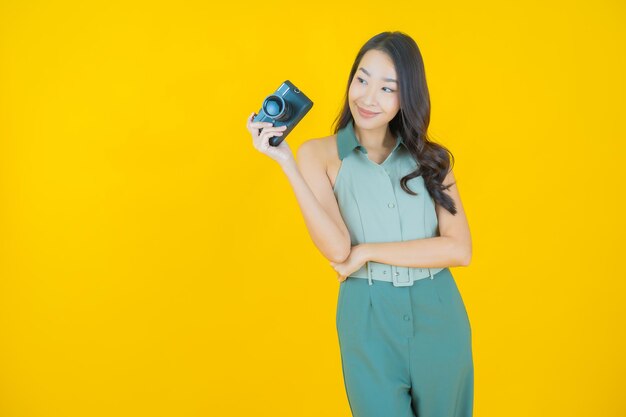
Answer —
376 209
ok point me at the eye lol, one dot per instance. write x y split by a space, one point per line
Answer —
390 90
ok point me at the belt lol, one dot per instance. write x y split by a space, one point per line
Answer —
401 276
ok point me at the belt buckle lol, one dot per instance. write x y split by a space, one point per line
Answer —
395 276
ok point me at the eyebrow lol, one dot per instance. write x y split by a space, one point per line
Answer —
384 79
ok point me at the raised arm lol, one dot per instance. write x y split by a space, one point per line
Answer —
317 201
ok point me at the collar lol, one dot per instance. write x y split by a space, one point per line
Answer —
347 141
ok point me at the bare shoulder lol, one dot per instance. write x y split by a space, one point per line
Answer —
323 150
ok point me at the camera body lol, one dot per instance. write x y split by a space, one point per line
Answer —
285 107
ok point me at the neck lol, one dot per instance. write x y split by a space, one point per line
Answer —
375 139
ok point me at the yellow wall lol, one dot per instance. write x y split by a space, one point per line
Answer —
153 263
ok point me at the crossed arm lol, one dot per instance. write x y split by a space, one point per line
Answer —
452 248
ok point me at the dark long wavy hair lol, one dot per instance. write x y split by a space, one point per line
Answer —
411 122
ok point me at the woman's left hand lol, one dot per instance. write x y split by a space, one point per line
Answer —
355 261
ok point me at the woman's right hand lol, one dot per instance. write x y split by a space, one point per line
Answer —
281 153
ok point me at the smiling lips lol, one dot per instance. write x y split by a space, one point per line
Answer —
365 113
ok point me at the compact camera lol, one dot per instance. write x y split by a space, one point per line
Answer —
286 107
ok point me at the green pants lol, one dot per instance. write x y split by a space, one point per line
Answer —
406 351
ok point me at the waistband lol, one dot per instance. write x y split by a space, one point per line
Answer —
400 276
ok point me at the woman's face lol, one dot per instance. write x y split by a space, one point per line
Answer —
372 90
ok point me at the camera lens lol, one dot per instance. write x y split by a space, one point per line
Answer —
273 107
277 108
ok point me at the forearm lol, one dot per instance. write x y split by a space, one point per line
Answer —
324 232
434 252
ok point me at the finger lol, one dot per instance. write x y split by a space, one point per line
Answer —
257 126
261 124
267 148
275 128
251 121
268 135
265 142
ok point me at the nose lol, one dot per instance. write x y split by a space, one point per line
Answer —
369 98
